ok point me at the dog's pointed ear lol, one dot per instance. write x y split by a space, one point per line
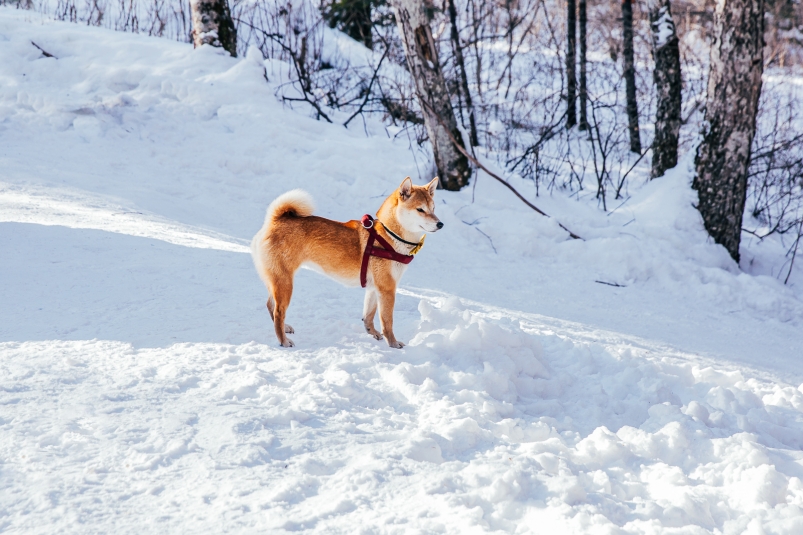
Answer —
432 186
406 188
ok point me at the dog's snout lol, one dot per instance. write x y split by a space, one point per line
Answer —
439 225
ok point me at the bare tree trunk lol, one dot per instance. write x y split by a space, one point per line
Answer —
630 75
212 25
734 87
461 67
667 88
583 47
571 60
413 19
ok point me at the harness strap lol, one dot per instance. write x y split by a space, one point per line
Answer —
388 252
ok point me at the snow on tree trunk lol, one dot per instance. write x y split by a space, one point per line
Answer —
571 60
666 77
413 19
212 25
583 47
734 86
630 75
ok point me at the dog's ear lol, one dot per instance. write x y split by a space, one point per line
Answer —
406 188
432 186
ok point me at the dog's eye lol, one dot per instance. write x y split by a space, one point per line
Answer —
420 210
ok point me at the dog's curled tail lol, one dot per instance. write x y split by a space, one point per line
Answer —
296 202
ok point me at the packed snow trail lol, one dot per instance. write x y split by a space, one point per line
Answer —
141 388
52 206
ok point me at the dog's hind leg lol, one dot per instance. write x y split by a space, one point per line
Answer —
282 292
287 328
369 311
387 300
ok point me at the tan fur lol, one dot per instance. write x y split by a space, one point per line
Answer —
292 237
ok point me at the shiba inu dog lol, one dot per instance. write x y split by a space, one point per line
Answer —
292 237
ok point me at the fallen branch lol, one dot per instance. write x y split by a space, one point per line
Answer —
476 162
611 284
44 52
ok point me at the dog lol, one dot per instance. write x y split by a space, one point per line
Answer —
292 237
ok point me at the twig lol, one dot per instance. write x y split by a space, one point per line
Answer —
546 135
794 253
761 236
44 52
298 65
489 239
622 182
370 85
611 284
615 209
601 172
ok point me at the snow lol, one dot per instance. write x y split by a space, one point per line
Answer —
664 27
142 388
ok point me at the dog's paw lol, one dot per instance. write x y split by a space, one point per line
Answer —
396 344
288 343
373 332
288 329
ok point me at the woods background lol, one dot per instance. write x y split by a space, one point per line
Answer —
543 89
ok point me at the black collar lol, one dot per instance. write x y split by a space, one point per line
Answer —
397 237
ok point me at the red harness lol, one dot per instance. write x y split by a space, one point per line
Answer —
388 252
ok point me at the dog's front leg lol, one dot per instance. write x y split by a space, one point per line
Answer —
369 311
387 300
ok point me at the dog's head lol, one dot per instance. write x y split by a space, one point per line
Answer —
415 210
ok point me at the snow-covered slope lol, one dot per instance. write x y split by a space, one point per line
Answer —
142 390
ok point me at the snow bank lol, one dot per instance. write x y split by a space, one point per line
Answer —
482 425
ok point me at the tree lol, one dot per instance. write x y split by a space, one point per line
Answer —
413 18
630 75
352 17
571 60
734 87
666 77
461 68
583 47
212 25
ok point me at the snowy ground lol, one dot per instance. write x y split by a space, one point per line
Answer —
142 389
